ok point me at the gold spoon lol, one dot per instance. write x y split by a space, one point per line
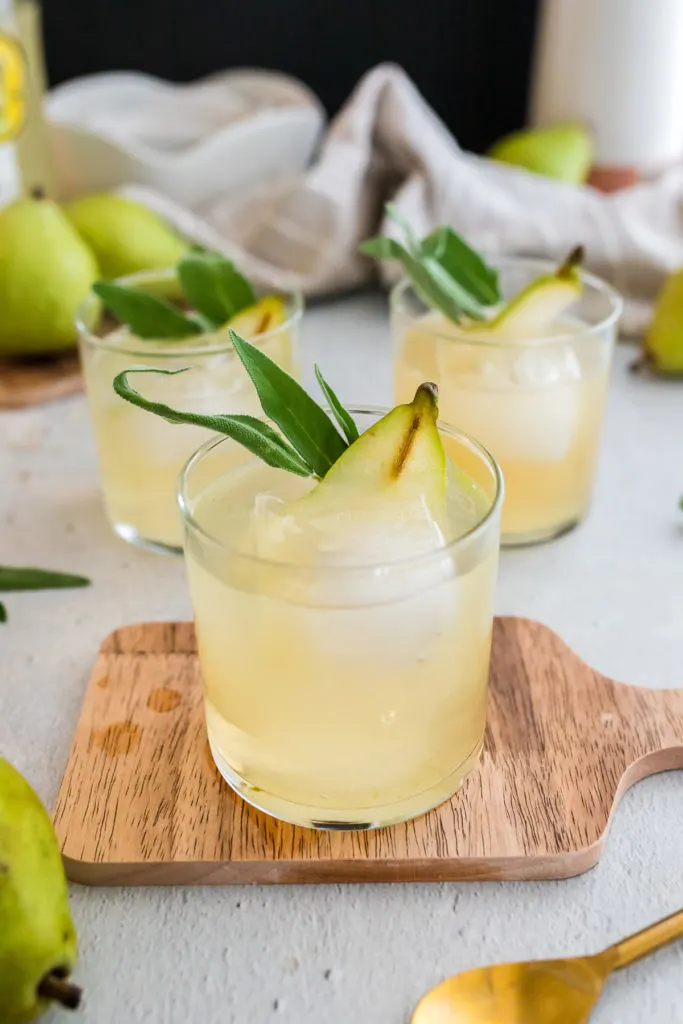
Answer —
540 991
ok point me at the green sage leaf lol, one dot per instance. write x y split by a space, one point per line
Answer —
3 613
464 264
253 434
434 296
452 287
413 242
147 316
16 578
304 423
214 286
342 415
446 272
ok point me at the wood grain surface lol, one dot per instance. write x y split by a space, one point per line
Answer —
35 382
142 803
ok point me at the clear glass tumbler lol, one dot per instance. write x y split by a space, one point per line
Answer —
538 404
349 696
140 455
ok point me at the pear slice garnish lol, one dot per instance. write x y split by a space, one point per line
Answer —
385 498
399 458
265 315
538 306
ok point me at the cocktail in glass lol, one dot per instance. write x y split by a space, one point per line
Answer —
536 401
140 456
344 660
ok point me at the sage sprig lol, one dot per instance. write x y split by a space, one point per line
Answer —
303 422
308 443
253 434
343 416
214 286
147 315
209 282
447 273
19 578
14 578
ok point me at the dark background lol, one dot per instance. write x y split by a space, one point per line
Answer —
470 58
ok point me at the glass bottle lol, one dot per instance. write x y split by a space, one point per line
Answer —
13 75
615 65
25 164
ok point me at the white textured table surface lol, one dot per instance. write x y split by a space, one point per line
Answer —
613 589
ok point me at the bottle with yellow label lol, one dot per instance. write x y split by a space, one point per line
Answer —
12 101
25 163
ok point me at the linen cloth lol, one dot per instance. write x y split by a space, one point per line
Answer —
388 144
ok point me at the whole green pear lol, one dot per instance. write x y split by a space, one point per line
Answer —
37 934
562 151
46 270
664 336
125 236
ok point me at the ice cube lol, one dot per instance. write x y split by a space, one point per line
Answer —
302 533
356 555
216 385
384 570
522 403
213 387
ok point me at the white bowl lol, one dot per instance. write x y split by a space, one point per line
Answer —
194 143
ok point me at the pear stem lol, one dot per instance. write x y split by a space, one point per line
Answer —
37 193
60 990
575 259
428 388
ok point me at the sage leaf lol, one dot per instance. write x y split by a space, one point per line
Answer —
16 578
253 434
463 264
446 272
214 286
304 423
452 287
342 415
147 316
434 296
414 245
3 613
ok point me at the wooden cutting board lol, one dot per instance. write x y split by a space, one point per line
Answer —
35 382
141 802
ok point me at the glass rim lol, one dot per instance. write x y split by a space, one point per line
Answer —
478 530
139 348
613 297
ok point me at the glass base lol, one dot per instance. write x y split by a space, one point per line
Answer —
360 820
541 536
131 536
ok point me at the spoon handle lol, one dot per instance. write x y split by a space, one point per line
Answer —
648 941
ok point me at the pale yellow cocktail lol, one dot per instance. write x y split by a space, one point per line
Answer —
344 654
537 402
140 456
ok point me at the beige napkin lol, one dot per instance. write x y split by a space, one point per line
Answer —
388 144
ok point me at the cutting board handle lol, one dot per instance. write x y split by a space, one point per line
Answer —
649 724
